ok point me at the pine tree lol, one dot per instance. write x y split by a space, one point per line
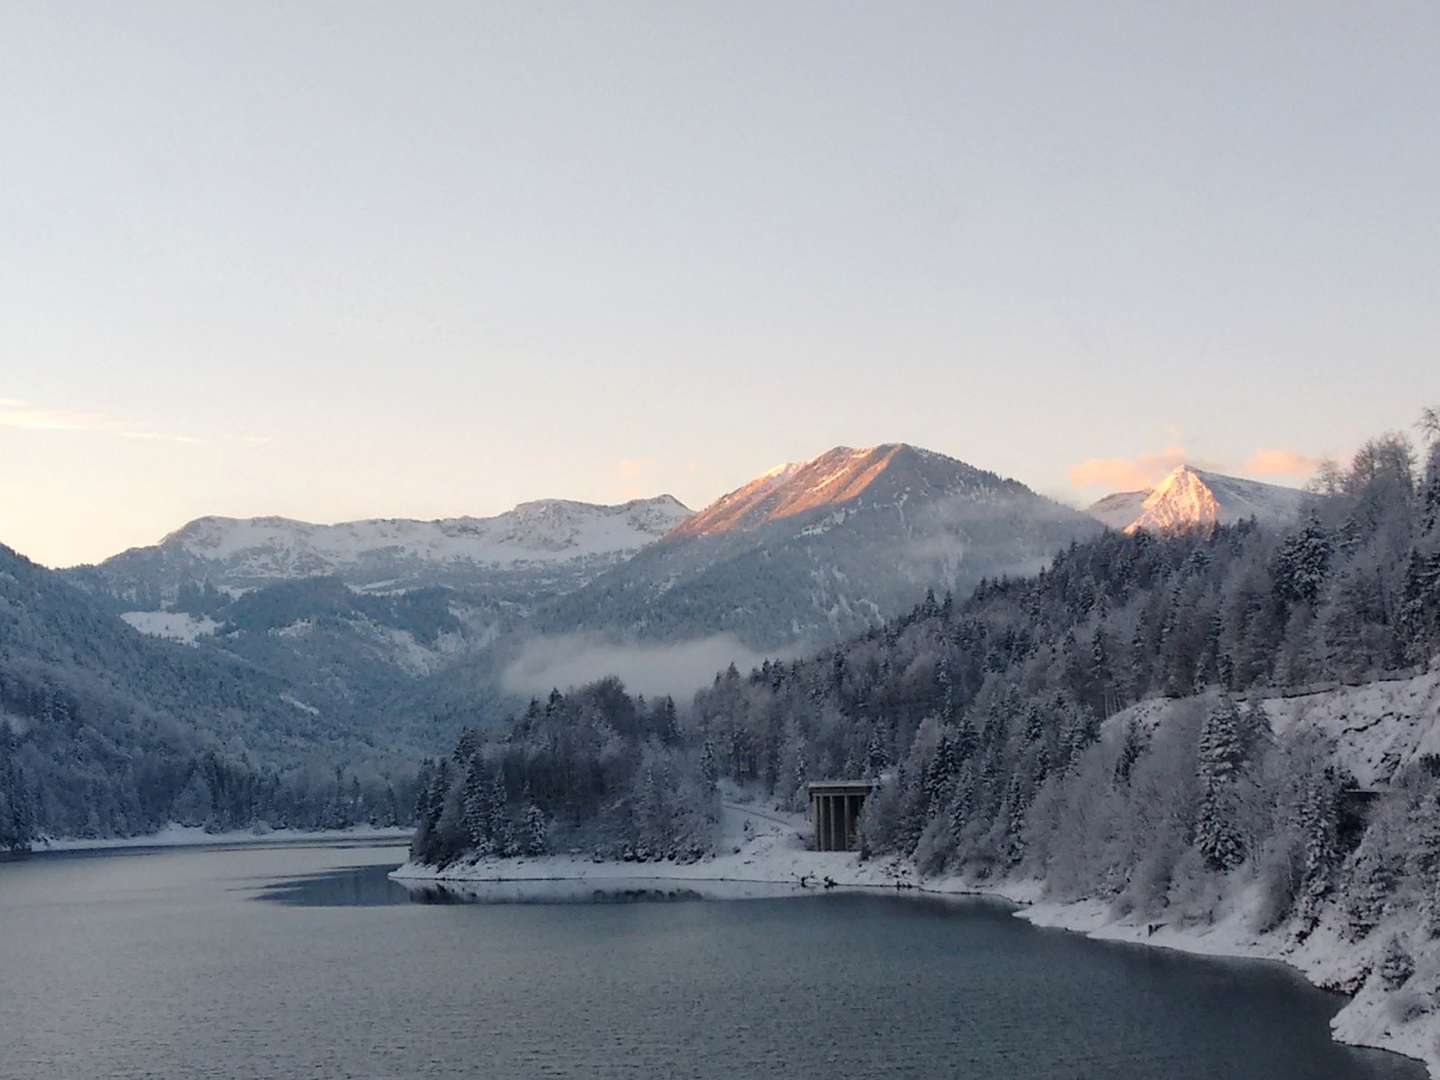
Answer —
1396 964
876 760
477 806
423 780
1015 822
439 791
963 805
501 836
1318 827
709 767
1217 836
1369 894
938 774
537 831
1130 750
1303 562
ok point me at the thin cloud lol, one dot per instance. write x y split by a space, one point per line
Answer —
1127 474
20 415
631 468
158 436
1281 463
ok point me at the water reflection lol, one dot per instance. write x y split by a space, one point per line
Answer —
371 886
166 967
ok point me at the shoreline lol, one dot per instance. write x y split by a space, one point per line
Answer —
769 852
181 836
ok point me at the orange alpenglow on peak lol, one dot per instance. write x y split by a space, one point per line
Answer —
1188 498
834 477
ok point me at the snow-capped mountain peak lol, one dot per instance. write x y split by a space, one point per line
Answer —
837 476
549 536
1188 498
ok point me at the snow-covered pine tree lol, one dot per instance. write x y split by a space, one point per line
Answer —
876 759
1303 561
938 774
709 767
537 830
1131 746
962 806
1015 822
1368 894
501 835
1320 853
1217 836
477 805
1396 964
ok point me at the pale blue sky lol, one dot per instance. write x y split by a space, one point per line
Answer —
432 259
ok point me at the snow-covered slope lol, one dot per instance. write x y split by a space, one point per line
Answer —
1190 497
554 543
825 548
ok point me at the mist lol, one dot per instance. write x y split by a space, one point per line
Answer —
679 669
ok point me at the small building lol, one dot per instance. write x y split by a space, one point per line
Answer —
835 807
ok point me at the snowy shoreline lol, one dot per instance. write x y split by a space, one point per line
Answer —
766 848
194 836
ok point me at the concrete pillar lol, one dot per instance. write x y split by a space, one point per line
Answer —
824 803
839 822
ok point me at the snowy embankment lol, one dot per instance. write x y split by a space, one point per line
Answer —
1376 728
194 836
763 853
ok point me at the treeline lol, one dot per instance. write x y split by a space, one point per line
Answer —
595 769
86 786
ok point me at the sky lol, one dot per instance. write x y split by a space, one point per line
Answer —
340 260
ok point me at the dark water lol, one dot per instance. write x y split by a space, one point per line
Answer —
306 962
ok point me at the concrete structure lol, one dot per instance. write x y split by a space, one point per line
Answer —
835 808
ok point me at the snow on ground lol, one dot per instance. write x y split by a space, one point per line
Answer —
296 703
1377 727
545 531
174 625
763 852
194 836
757 845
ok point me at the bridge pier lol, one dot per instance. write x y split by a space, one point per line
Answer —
835 807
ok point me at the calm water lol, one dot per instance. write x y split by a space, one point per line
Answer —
306 962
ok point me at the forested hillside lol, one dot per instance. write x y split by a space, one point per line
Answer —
1000 726
106 732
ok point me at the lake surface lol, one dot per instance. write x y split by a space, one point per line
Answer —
305 961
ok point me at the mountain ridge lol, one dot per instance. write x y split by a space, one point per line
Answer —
544 544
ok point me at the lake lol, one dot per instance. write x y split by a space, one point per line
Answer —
303 960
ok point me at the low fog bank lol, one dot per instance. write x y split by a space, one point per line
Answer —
678 669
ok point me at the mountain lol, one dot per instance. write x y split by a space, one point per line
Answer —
1189 497
820 549
546 546
105 731
348 616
